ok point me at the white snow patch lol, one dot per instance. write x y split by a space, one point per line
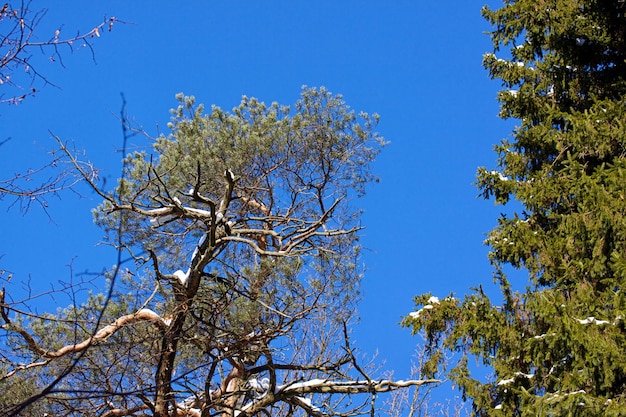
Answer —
198 212
200 242
592 320
147 311
297 385
159 211
182 276
416 314
307 403
558 394
261 385
154 316
498 407
202 239
500 175
433 300
517 375
543 336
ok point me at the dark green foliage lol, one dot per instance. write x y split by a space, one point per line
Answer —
557 346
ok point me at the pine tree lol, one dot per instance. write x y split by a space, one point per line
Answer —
557 345
242 233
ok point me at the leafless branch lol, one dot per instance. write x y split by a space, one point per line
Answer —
20 35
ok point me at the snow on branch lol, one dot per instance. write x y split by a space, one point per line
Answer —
517 375
593 320
324 386
293 393
101 335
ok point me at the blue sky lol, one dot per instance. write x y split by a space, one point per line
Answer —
416 63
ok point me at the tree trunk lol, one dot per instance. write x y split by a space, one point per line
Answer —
164 396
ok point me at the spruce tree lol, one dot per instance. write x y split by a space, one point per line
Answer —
556 344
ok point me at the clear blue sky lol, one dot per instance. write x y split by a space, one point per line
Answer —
416 63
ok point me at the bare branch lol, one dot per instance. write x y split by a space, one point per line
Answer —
101 335
50 180
20 38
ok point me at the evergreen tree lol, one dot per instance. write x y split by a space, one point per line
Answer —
243 275
558 346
